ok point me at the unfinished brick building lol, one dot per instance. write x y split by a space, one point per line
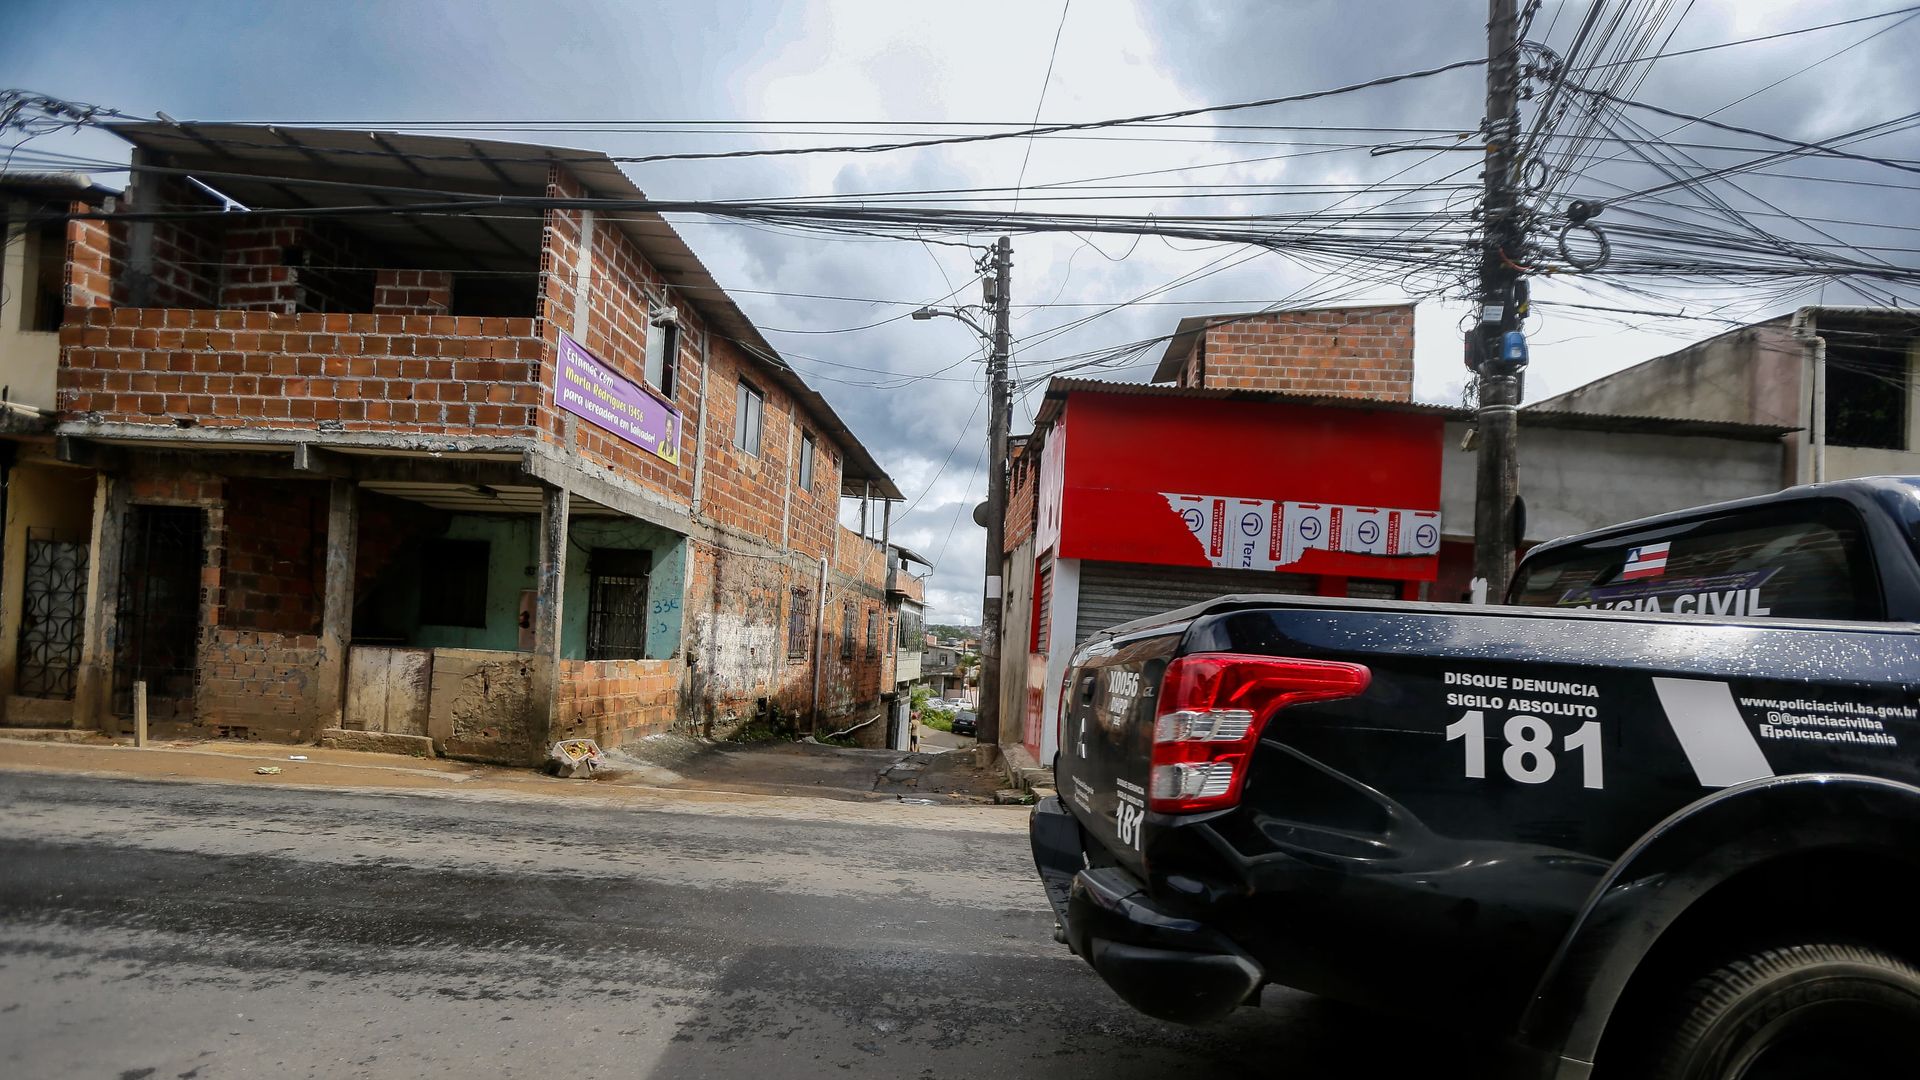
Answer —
1360 349
484 479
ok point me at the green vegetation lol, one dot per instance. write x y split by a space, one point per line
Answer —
768 726
933 714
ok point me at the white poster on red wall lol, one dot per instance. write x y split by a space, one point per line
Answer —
1201 516
1306 527
1262 534
1363 530
1249 534
1419 532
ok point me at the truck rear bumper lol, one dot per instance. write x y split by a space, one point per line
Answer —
1164 964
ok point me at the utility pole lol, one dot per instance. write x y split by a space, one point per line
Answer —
998 287
1497 357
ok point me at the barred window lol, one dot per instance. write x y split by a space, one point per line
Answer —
797 603
846 632
873 634
617 604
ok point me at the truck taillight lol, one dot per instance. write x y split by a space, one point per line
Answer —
1211 711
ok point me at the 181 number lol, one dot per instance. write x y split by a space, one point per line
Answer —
1529 754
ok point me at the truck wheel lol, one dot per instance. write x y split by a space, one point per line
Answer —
1795 1013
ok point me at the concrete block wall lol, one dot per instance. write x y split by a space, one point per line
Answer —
1352 351
736 645
483 702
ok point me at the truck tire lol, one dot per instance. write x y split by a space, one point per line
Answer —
1794 1013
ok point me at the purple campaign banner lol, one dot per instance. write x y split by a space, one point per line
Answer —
586 388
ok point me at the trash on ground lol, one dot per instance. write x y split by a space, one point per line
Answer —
296 757
268 770
575 758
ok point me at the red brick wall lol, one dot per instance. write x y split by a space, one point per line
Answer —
615 701
287 265
410 373
276 555
259 681
90 259
910 587
1360 351
186 264
741 492
614 292
186 267
412 292
1023 493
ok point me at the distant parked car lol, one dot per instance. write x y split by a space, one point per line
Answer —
963 724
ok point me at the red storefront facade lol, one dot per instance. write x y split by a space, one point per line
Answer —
1144 498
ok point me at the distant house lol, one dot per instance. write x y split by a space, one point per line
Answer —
1842 382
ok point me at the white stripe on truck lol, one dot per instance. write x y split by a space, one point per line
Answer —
1718 743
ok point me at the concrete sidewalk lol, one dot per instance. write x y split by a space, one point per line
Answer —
233 763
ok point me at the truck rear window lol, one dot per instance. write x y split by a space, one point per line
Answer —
1795 561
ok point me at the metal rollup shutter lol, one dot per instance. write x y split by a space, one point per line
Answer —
1043 608
1373 589
1113 593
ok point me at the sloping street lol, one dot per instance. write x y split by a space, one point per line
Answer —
205 931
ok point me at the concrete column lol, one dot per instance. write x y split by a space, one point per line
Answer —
550 588
93 684
583 283
139 266
336 619
555 505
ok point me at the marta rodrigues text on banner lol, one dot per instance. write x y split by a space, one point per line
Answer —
588 389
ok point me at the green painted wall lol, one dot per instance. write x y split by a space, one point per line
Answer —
666 581
512 555
513 544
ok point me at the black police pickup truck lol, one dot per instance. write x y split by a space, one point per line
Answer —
1661 818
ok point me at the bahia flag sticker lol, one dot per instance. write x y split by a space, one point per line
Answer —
1648 560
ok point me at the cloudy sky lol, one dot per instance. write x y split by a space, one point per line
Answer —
608 75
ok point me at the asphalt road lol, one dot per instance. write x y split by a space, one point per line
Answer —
200 932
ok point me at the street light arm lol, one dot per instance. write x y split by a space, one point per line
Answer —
953 313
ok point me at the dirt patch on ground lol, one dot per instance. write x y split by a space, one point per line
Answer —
694 768
813 769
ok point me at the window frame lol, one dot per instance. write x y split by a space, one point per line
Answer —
803 476
1833 515
846 630
605 565
799 602
749 418
873 634
662 352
